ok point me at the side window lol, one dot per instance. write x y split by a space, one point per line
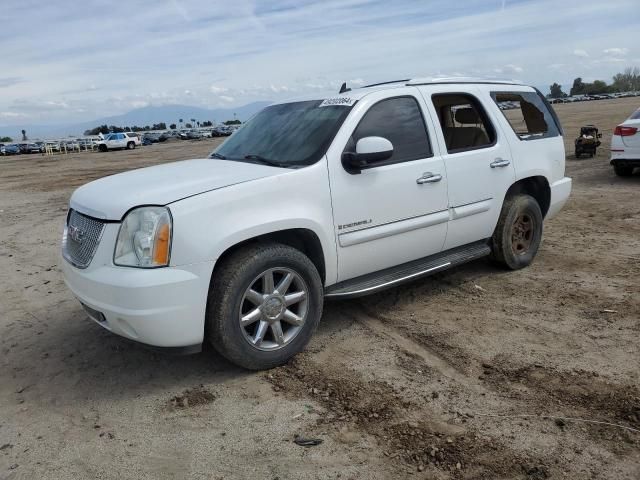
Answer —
527 114
465 124
400 121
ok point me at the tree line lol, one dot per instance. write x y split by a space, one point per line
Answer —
104 129
627 81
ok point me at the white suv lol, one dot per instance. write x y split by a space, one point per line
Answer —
118 141
330 197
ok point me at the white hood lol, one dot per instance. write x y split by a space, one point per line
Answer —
111 197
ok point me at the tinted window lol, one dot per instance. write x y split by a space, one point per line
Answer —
527 114
465 124
292 134
400 121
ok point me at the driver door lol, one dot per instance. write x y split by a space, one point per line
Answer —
394 211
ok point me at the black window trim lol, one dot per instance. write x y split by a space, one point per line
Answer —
393 162
531 136
483 114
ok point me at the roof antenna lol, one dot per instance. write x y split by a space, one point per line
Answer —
344 88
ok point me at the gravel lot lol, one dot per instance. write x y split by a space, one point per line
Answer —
444 378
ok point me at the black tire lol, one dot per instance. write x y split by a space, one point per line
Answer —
511 247
131 146
230 281
623 171
102 148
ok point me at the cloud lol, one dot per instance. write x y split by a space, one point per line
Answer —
183 51
11 115
278 88
616 52
10 81
139 103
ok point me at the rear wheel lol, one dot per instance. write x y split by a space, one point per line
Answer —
131 146
623 171
265 302
518 234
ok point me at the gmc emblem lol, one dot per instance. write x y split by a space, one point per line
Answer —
75 234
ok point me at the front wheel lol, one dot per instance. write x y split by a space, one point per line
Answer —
517 236
265 302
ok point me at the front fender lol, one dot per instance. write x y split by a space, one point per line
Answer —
206 225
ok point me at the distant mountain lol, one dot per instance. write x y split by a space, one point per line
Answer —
140 117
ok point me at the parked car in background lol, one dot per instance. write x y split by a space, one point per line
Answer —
30 148
153 137
118 141
363 191
2 149
53 146
625 146
12 149
191 135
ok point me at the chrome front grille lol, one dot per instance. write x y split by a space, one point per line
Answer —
81 239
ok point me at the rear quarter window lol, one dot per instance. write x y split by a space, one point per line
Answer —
527 114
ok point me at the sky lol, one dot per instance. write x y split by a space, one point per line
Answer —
68 61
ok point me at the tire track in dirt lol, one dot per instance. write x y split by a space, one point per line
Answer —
378 325
412 436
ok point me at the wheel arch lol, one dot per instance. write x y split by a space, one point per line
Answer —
536 186
302 239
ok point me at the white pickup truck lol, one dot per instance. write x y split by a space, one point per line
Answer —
330 197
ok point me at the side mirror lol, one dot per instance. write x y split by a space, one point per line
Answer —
369 151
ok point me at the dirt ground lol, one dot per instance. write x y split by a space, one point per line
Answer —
446 378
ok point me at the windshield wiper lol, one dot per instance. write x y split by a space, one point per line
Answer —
217 155
265 161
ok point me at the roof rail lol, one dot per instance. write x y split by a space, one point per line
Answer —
387 83
441 80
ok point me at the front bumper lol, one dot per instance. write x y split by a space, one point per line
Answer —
560 192
162 307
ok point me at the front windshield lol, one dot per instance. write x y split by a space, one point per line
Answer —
289 134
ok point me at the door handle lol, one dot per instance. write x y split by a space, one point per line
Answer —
500 162
429 177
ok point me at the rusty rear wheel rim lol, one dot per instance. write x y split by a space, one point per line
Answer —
522 233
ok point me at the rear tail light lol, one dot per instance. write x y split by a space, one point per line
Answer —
623 131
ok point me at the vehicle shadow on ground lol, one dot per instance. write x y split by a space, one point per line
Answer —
75 358
415 291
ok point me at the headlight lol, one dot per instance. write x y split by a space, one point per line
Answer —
144 239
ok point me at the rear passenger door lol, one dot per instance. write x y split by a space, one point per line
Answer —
396 210
477 159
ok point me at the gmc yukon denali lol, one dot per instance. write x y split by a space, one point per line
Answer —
332 196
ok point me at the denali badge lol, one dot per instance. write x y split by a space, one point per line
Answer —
75 233
355 224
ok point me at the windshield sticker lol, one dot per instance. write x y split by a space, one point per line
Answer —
338 102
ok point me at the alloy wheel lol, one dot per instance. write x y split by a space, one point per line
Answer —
273 309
